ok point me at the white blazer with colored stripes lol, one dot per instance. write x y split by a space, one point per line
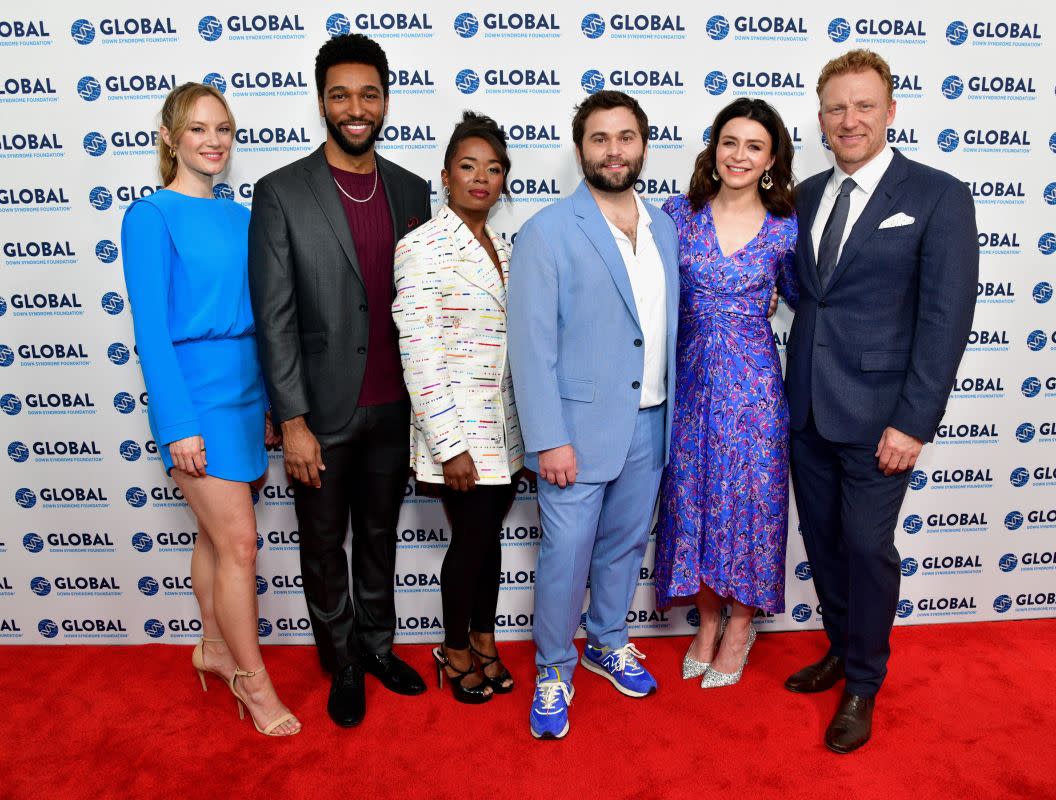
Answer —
450 309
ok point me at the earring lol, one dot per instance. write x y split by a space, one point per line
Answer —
172 152
714 174
767 182
447 192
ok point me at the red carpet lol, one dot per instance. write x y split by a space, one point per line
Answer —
968 712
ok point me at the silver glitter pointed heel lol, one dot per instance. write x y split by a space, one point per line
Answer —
713 679
691 668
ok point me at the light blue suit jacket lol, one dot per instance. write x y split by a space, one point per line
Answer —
573 327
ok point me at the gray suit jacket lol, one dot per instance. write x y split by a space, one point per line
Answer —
309 300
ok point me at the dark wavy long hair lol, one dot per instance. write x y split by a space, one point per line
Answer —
780 199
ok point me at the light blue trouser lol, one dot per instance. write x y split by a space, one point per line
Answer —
601 529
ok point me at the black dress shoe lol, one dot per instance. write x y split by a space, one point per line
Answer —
852 725
394 673
347 703
817 677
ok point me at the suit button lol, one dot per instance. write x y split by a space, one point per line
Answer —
362 306
637 342
361 350
636 385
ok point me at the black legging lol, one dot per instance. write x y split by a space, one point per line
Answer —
469 578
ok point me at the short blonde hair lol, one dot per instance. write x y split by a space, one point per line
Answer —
176 116
857 61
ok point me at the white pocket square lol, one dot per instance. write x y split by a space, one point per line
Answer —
897 221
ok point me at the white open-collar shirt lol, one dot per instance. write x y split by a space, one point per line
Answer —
867 177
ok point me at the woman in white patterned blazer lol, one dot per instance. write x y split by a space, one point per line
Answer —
450 309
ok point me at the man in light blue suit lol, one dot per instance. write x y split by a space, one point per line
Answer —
592 316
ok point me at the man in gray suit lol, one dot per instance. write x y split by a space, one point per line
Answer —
322 238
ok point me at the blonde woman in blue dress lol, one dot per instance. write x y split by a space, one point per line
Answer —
185 261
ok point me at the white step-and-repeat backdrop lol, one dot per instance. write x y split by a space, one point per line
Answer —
95 540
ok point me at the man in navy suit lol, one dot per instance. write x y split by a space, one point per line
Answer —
887 263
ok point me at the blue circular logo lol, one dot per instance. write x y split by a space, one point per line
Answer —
18 452
1050 194
338 25
952 86
100 198
592 81
217 81
825 142
142 542
918 479
912 524
1042 292
718 27
1002 603
904 609
254 496
1025 433
1019 477
118 353
909 567
802 612
1047 243
112 303
82 31
803 571
124 403
1013 520
1007 562
223 191
262 585
10 404
89 89
7 356
210 28
948 140
466 25
3 306
1036 340
94 143
32 542
263 628
592 26
1031 386
956 33
25 497
106 251
148 585
467 81
706 136
130 450
839 30
136 497
47 628
260 542
40 586
1052 143
693 617
715 82
154 629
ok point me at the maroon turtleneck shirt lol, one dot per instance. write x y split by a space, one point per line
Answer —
371 226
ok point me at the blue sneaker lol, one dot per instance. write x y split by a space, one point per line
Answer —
621 668
549 717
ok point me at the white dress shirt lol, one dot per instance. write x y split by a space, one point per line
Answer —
867 178
646 272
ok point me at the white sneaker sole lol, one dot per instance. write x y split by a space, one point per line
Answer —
590 665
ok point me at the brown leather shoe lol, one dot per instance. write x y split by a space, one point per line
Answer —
853 724
817 677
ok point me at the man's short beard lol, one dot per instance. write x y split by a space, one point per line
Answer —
338 136
594 174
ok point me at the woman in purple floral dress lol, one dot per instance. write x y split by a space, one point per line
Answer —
724 498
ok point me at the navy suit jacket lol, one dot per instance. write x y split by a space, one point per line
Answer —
879 345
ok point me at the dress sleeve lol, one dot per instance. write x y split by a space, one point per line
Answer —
787 280
147 249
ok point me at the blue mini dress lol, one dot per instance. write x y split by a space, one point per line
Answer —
186 270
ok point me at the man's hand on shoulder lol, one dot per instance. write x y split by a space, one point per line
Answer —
558 465
897 451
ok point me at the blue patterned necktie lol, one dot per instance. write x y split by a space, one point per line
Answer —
829 248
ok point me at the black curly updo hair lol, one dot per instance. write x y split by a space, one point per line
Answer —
479 126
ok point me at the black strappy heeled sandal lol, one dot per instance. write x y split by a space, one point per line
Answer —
473 695
501 683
